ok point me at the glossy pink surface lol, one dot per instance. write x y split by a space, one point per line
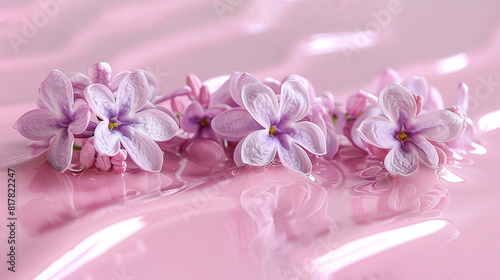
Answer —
202 218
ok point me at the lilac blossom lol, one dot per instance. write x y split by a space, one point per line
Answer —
364 103
322 112
267 127
406 135
467 140
100 73
125 122
198 115
59 119
432 98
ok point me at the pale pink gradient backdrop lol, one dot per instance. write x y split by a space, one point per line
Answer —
340 45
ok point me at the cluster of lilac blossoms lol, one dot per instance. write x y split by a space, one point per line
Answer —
112 118
116 122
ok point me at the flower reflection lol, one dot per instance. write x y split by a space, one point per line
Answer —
387 197
288 209
63 197
287 214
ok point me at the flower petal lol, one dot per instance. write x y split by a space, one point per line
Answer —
106 142
156 124
101 100
132 94
463 97
61 150
378 131
141 149
195 84
117 79
401 160
295 157
258 148
398 104
81 117
56 92
234 124
307 84
309 136
434 101
222 95
211 112
237 154
236 83
154 85
273 83
204 96
100 73
294 103
417 85
87 154
262 103
38 124
438 125
191 117
79 81
332 142
385 78
426 151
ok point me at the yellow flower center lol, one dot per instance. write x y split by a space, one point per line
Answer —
204 122
113 125
403 136
272 131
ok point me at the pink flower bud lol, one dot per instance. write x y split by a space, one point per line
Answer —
204 97
103 163
355 105
100 73
120 169
121 156
420 102
87 154
177 106
456 110
195 84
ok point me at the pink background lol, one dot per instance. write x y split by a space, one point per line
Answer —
339 45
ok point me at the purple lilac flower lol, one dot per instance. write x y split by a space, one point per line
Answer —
405 134
364 103
100 73
59 119
125 122
198 115
322 113
467 140
267 127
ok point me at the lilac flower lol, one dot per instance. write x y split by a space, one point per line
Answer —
59 119
416 84
199 113
467 140
405 134
100 73
364 103
322 112
266 127
124 121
